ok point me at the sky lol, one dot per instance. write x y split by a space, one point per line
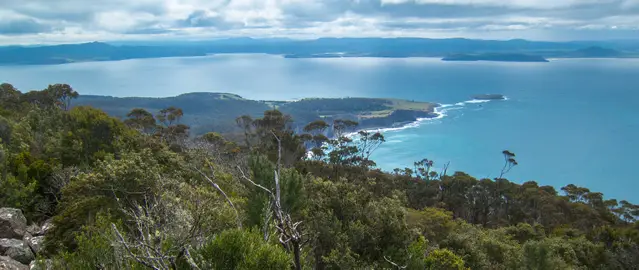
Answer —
70 21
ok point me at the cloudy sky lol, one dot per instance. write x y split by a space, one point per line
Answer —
63 21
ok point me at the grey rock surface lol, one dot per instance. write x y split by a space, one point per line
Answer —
13 224
7 263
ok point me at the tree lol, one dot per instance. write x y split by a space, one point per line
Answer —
142 120
341 126
368 142
245 122
169 115
91 134
9 97
316 138
261 134
509 163
316 127
290 235
62 94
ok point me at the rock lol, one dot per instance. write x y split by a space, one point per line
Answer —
34 229
35 243
47 226
41 265
13 224
6 244
17 250
489 97
7 263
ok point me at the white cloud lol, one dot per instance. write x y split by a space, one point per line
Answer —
36 21
537 4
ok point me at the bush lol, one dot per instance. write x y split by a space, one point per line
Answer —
444 259
240 249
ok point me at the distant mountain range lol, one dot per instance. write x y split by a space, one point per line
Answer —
323 47
498 57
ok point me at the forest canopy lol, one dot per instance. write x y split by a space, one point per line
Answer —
144 193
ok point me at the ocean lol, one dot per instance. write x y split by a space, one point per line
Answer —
570 121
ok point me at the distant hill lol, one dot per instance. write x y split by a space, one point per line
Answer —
317 48
498 57
206 112
94 51
203 111
596 51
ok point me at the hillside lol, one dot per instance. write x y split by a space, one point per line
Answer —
596 51
85 52
203 111
82 190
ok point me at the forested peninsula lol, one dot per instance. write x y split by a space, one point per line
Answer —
80 189
206 112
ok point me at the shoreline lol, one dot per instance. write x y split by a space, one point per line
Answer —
439 112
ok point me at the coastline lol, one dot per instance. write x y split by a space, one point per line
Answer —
439 112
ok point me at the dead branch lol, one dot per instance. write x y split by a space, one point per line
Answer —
128 249
219 189
394 264
189 259
253 183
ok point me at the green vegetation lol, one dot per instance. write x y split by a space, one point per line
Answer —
144 194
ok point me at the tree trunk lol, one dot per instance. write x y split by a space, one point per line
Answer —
297 256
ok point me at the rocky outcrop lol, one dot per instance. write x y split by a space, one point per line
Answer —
19 243
489 97
17 250
34 242
34 229
7 263
6 244
47 226
22 254
13 224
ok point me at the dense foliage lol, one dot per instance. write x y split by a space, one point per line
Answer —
144 193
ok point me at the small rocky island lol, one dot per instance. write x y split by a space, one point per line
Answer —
497 57
489 97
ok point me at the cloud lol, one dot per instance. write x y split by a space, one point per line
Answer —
23 26
35 21
533 4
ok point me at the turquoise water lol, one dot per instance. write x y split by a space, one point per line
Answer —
568 121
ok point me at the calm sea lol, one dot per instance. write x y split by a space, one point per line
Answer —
568 121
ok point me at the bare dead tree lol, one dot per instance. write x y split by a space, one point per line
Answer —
444 170
154 222
289 234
